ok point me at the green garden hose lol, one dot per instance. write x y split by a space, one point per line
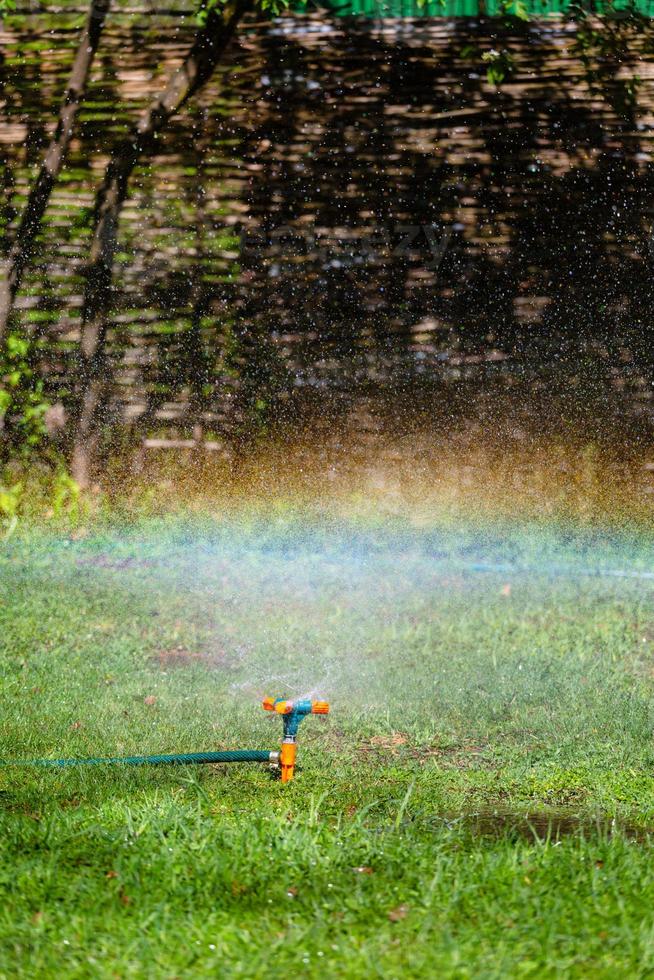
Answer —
184 759
292 713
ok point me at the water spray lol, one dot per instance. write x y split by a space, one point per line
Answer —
282 760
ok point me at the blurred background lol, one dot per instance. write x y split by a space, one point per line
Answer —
378 235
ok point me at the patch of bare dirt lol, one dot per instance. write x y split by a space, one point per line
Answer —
176 657
389 741
397 744
116 564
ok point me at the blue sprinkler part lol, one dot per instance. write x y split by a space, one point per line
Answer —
293 712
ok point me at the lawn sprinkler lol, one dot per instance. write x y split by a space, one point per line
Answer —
292 712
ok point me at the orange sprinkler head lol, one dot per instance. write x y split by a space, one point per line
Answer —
292 712
277 704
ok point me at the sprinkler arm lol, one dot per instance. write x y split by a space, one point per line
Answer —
292 712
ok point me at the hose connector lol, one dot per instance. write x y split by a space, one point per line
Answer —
292 712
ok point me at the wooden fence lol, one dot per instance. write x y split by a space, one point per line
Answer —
349 208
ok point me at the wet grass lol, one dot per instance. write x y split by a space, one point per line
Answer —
477 804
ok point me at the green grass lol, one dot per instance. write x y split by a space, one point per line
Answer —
454 692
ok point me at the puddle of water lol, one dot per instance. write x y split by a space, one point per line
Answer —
543 825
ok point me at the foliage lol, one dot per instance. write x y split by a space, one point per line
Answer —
64 494
207 7
10 497
23 404
23 410
515 10
50 491
499 65
603 42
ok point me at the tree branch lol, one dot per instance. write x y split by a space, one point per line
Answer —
39 196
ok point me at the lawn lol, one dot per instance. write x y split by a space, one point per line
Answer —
477 804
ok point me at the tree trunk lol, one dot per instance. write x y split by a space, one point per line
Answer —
198 66
37 201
